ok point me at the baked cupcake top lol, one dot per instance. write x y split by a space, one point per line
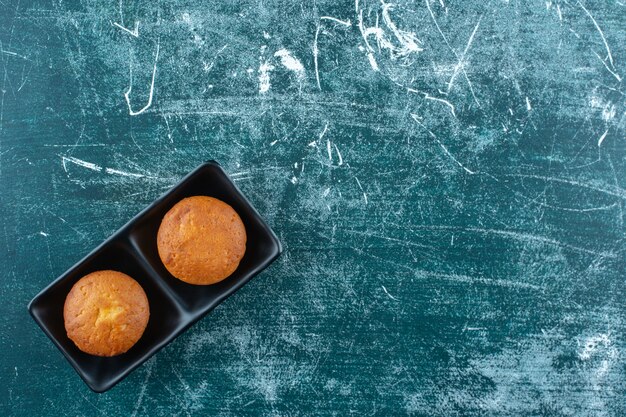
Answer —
201 240
105 313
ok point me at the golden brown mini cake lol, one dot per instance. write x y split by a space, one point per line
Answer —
105 313
201 240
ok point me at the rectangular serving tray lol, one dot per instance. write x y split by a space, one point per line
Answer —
174 305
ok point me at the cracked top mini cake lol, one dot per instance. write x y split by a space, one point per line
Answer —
106 313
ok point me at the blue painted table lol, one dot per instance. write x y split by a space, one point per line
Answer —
447 178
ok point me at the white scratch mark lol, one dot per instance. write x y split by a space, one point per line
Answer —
618 192
521 236
606 45
323 132
528 106
100 412
315 55
461 62
130 87
407 40
11 53
453 158
429 97
372 61
334 19
272 143
443 147
291 63
328 148
387 292
142 393
169 131
338 154
312 144
445 39
558 11
326 192
473 329
365 34
23 84
575 34
122 173
418 121
42 233
134 32
208 67
346 23
264 77
446 102
585 210
359 184
79 162
602 137
613 73
97 168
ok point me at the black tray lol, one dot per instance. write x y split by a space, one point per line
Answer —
174 305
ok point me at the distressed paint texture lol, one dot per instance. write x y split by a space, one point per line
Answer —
447 177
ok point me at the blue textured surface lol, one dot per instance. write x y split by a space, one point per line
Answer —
447 178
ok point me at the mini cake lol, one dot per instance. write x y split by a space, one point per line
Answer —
105 313
201 240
